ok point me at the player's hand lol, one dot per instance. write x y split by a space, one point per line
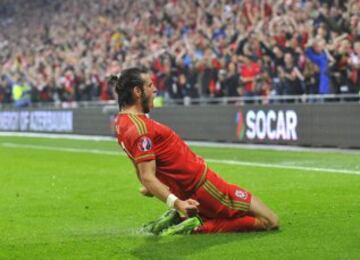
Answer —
144 191
187 207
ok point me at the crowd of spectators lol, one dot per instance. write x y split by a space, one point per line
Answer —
64 50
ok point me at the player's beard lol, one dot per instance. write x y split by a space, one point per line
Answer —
145 102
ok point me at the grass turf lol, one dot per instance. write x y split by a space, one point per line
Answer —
62 204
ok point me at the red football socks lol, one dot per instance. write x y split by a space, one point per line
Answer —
242 224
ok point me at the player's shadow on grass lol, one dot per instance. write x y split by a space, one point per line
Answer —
182 246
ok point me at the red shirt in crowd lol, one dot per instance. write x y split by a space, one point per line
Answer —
249 71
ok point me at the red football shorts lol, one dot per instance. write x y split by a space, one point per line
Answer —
219 199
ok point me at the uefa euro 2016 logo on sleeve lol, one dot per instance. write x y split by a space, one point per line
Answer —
144 144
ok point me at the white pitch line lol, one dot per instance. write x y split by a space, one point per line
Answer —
61 149
226 162
280 166
288 148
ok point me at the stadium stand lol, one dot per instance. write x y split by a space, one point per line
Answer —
63 51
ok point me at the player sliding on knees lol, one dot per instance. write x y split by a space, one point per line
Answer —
170 171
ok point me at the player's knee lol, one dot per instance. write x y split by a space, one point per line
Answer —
269 223
273 223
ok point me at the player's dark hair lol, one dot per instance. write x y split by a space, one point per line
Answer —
124 85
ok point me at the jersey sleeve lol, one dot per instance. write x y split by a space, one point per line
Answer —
138 141
142 149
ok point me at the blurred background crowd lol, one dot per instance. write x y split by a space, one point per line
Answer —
64 50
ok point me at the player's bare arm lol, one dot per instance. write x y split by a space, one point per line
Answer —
144 191
159 190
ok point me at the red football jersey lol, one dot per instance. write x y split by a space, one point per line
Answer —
144 139
250 72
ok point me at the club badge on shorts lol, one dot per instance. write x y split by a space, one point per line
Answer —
241 194
144 144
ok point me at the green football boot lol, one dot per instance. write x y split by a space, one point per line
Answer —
169 218
183 228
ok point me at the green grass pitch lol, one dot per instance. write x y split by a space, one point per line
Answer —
73 199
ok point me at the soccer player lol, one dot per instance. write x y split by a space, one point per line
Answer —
170 171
